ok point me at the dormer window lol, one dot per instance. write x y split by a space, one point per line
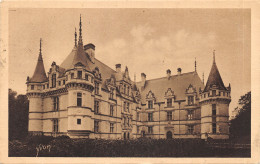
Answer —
96 88
72 76
86 77
124 89
127 90
213 92
112 94
80 74
169 102
150 104
53 81
190 100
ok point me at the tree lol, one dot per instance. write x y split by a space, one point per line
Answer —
241 124
18 115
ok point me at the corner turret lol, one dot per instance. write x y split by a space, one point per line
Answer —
214 101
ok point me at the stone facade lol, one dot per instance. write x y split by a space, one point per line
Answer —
84 98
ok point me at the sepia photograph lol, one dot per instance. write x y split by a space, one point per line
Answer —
129 82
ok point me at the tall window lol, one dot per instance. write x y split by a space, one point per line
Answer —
190 114
96 106
124 121
127 90
63 82
112 93
55 127
124 89
150 116
111 110
137 116
213 92
86 77
56 103
128 121
137 129
127 106
53 80
190 100
214 128
72 75
32 87
59 83
96 88
214 110
169 116
150 130
124 107
96 126
79 99
80 74
150 104
169 102
190 129
111 127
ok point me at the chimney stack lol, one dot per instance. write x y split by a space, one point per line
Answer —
179 71
143 76
118 68
168 73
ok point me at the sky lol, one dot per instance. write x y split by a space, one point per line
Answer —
145 40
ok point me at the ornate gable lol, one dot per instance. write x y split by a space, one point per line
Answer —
190 89
169 93
150 95
96 73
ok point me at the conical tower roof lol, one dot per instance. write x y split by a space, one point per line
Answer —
214 78
39 73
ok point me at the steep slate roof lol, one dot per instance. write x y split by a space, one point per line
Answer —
105 70
76 56
214 78
39 74
177 83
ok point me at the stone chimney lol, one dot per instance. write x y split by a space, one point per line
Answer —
179 71
143 76
168 73
143 79
90 51
118 68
